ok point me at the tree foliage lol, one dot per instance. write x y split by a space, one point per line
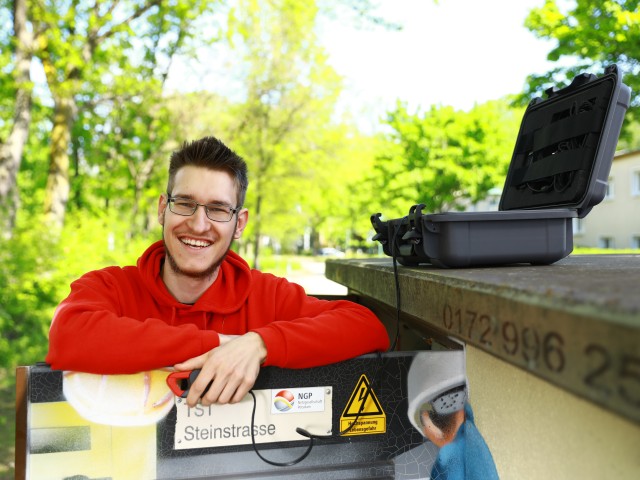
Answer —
443 158
37 269
591 34
288 91
97 55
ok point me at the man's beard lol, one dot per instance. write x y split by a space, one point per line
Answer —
196 275
206 273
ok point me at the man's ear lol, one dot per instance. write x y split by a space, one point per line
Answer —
162 206
241 224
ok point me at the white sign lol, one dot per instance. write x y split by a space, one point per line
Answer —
278 413
294 400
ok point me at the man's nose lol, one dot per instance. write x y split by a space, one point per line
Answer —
199 219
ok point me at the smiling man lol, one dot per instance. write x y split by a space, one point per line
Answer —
192 303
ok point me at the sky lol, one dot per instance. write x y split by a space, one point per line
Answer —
448 52
455 52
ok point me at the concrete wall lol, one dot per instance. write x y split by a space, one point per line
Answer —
536 430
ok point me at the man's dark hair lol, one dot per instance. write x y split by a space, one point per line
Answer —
211 153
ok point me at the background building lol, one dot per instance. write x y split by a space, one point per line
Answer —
615 223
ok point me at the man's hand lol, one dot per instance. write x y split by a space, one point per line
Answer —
232 368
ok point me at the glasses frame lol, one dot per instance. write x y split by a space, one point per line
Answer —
233 210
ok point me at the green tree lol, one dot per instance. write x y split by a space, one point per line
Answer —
337 205
32 283
85 46
18 88
362 194
594 33
119 155
289 93
443 158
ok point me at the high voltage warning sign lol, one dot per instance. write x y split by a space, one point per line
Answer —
364 409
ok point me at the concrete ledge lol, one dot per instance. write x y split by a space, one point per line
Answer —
575 323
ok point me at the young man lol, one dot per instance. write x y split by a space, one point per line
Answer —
192 303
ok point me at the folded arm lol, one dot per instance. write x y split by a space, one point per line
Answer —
90 333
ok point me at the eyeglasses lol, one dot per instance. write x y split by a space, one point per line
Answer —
215 211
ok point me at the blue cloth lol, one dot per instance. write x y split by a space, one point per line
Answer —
467 457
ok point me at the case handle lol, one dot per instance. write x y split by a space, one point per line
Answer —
578 81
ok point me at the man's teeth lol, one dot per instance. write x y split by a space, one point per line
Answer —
195 243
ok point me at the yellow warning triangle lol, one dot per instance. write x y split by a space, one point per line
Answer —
363 400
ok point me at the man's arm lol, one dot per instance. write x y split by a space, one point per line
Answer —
231 369
310 332
90 333
306 332
330 337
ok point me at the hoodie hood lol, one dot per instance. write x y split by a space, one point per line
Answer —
228 293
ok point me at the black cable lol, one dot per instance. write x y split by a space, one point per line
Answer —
255 447
396 278
306 433
397 287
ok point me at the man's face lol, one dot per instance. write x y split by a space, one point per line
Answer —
196 245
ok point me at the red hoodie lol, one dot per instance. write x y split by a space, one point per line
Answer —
124 320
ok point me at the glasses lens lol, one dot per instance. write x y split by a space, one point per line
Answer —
215 212
182 206
219 213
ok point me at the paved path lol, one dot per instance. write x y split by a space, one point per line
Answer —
311 277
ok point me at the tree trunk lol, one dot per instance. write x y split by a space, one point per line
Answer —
11 151
57 191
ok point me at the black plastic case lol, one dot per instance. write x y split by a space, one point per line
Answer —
559 171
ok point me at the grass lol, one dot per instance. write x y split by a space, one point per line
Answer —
604 251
